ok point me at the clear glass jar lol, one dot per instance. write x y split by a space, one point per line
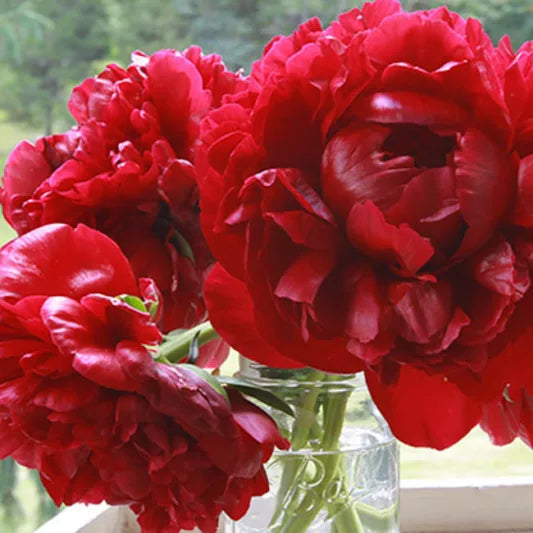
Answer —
341 473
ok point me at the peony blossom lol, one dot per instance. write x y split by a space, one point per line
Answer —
83 401
126 170
361 200
511 415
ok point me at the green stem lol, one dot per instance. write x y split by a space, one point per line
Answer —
306 414
346 519
301 429
176 347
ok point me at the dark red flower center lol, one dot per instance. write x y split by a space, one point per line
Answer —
428 149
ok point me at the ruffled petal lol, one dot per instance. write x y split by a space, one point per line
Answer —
402 107
232 315
523 211
399 246
59 260
176 89
414 39
485 185
423 308
355 169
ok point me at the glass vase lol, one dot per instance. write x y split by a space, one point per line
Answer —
341 473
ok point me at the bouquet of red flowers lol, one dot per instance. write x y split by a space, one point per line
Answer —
360 202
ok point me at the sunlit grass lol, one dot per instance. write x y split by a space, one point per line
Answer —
11 134
474 456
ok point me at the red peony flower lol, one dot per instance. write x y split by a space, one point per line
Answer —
125 170
511 415
83 401
360 198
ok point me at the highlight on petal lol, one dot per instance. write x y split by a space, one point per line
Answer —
59 260
411 108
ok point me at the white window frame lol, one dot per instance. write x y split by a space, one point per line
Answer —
467 505
478 505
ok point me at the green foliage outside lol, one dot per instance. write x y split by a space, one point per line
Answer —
47 47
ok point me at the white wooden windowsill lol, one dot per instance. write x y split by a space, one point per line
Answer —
495 505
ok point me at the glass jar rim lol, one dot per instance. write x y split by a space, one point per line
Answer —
296 377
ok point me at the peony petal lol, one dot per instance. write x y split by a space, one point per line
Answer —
123 321
304 276
286 327
485 185
284 123
305 229
256 422
424 410
509 356
175 87
357 20
401 247
71 326
177 184
66 394
354 169
284 190
501 420
526 417
495 267
11 440
104 366
231 313
26 168
438 216
365 306
213 354
423 308
399 107
523 212
414 39
59 260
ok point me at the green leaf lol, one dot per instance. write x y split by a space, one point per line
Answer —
506 394
183 246
174 333
152 309
133 301
206 376
194 349
261 395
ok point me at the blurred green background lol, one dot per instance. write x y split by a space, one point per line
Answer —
47 47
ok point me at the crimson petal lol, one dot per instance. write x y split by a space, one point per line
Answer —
424 410
232 314
523 213
399 107
400 246
175 86
485 186
354 169
423 308
47 261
